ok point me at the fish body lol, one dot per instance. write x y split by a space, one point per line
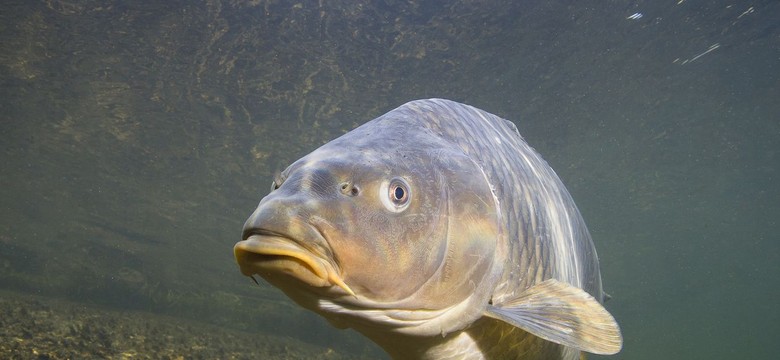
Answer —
436 231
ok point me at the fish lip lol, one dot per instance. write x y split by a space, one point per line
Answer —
262 232
260 248
318 246
267 252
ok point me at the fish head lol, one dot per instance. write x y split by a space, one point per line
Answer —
380 232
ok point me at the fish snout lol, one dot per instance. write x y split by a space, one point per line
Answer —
280 245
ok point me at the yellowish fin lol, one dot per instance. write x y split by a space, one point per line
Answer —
564 314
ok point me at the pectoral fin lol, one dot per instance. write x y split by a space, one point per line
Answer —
564 314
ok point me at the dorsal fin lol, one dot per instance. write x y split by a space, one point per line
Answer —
564 314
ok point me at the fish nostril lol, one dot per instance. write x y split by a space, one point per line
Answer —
349 189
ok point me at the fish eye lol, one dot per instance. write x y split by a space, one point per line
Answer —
398 194
395 194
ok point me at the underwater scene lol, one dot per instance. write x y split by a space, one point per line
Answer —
139 136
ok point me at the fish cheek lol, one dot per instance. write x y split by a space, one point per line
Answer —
383 257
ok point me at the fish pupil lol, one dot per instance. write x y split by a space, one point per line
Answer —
399 194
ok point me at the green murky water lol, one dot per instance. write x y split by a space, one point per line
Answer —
138 136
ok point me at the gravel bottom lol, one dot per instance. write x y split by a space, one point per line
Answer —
43 328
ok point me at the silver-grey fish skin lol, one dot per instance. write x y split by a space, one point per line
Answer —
467 168
546 236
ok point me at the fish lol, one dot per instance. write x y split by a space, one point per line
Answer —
436 232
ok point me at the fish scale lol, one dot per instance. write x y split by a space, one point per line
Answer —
513 179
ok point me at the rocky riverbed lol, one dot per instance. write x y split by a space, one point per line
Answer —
43 328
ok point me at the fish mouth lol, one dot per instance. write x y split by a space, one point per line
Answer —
270 254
